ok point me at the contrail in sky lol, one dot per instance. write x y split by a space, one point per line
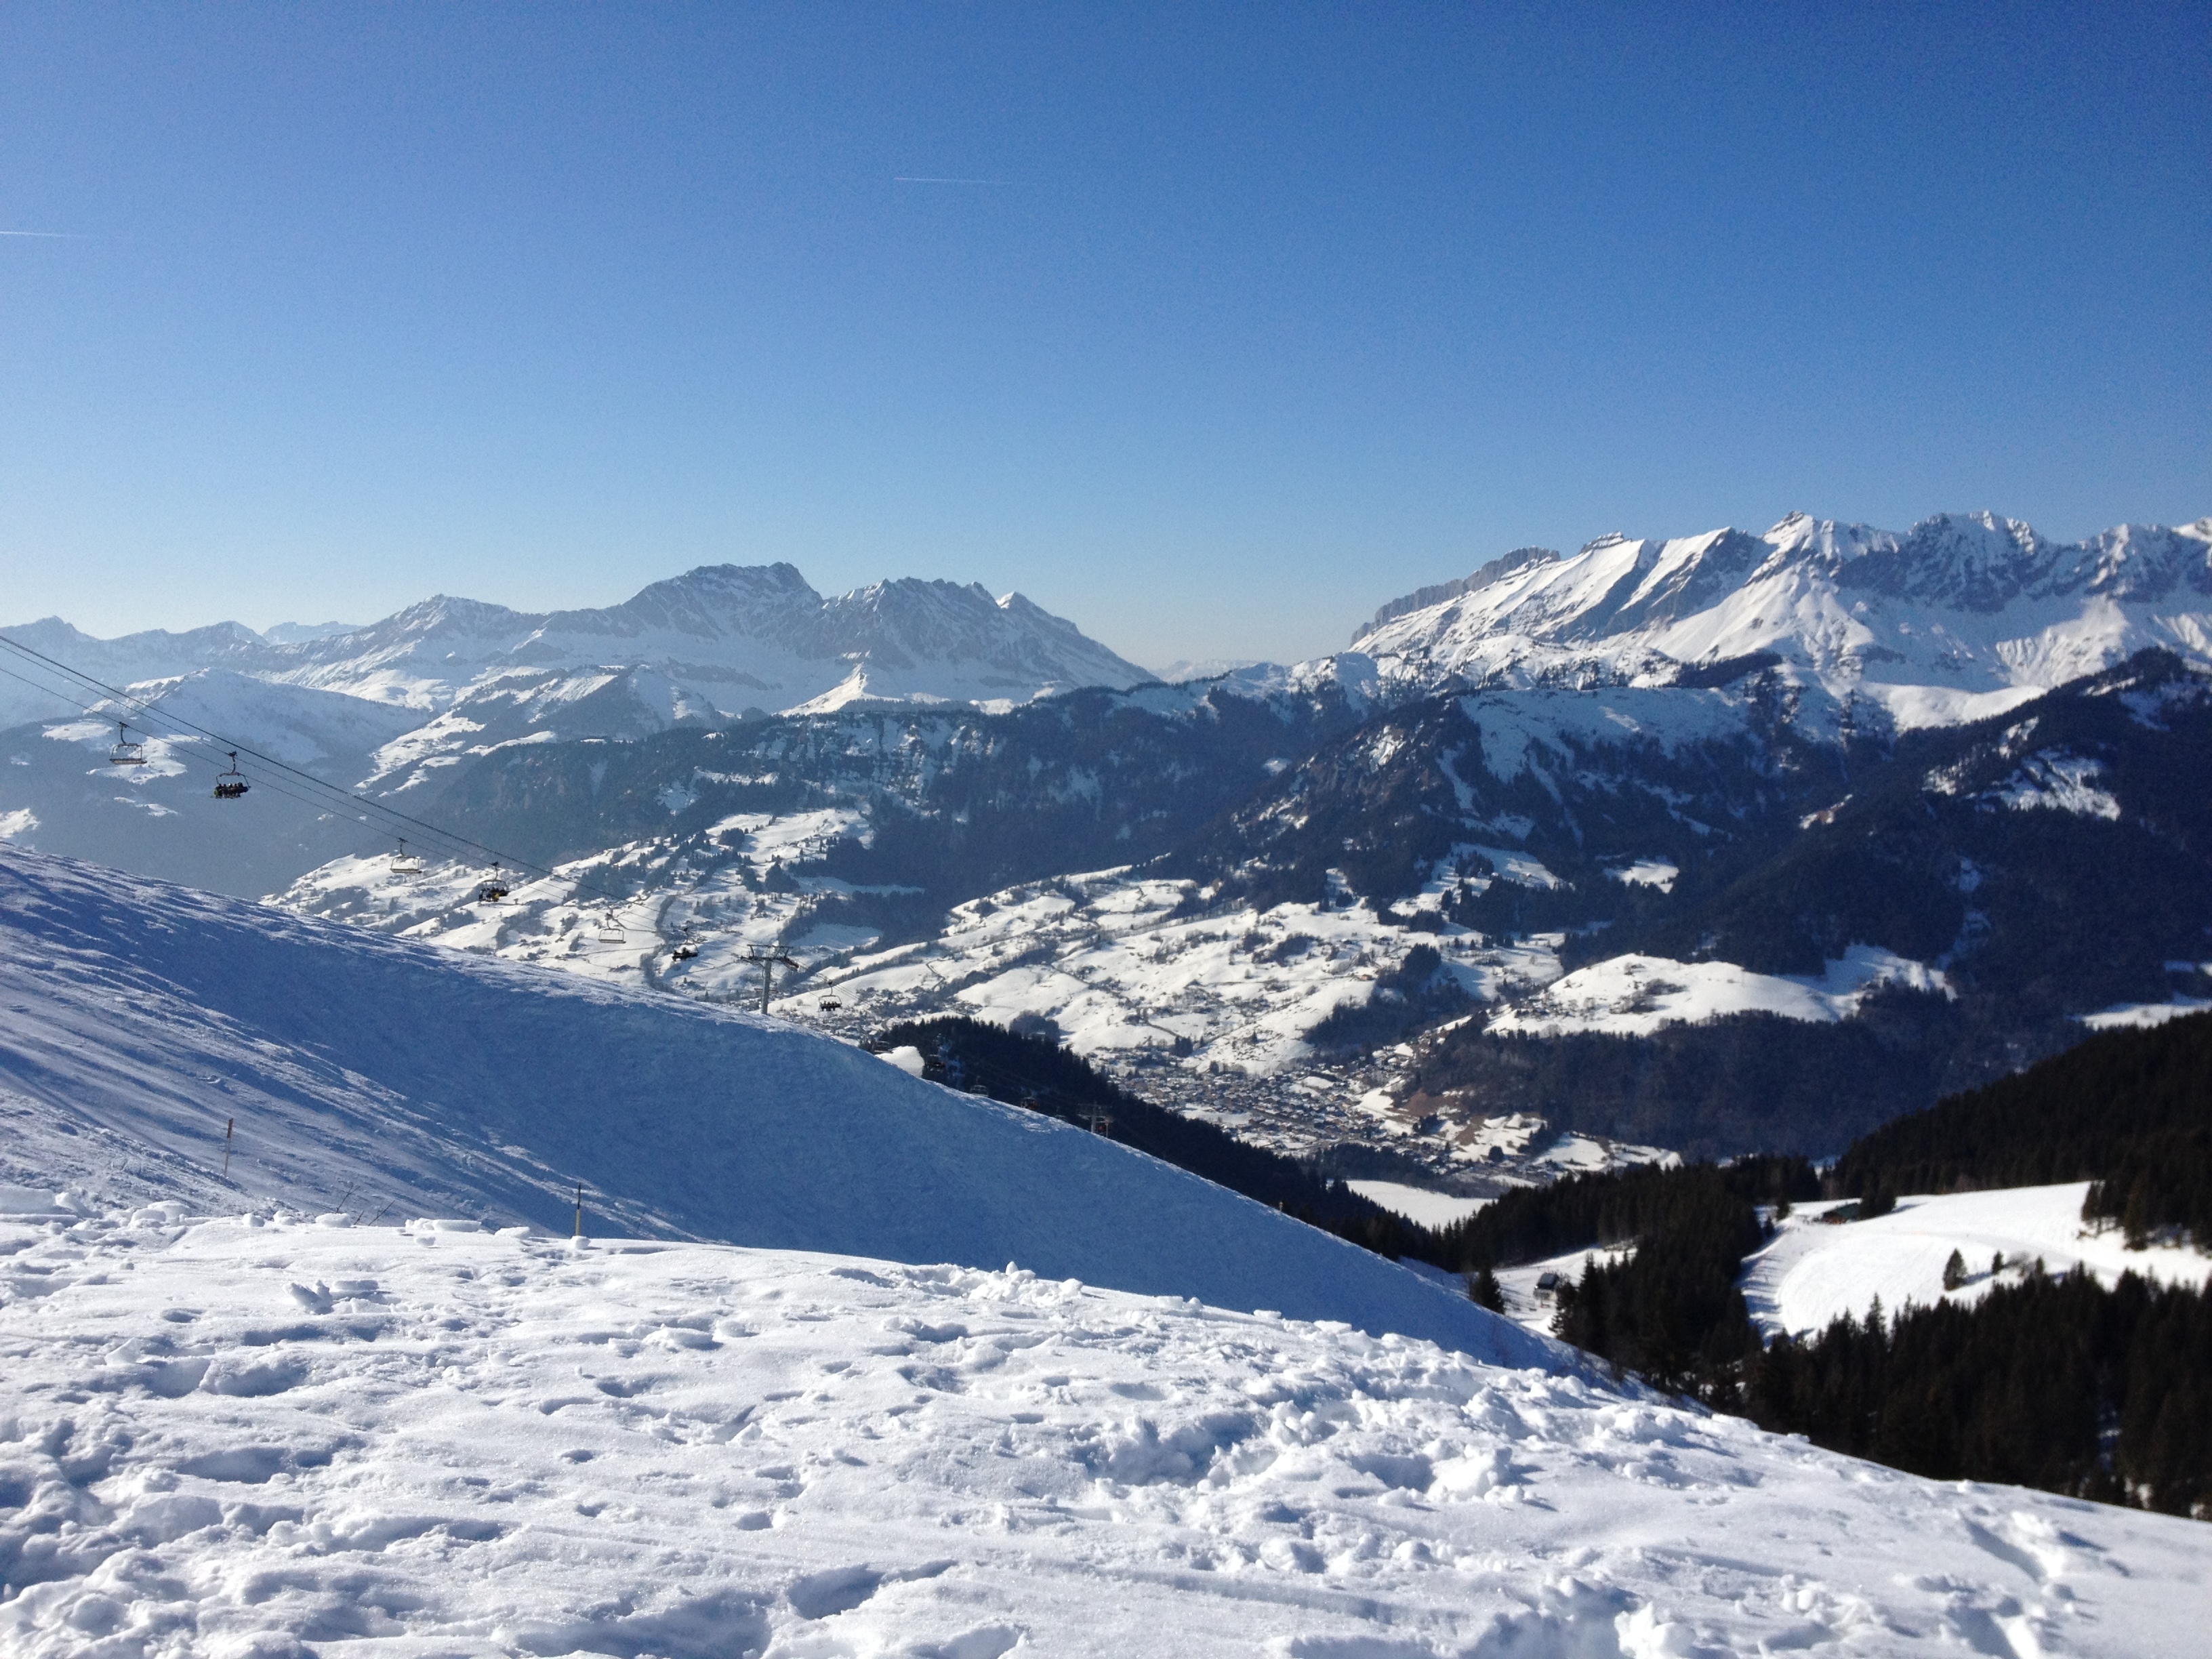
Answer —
50 236
904 179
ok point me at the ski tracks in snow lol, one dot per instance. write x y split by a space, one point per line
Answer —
263 1438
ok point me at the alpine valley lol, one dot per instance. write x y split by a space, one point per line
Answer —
1701 846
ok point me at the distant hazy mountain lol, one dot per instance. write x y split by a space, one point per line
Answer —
1204 668
300 633
725 638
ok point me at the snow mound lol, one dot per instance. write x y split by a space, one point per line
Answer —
278 1439
376 1077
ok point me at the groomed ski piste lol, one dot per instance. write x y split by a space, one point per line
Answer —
851 1365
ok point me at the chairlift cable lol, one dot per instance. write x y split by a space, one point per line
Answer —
150 711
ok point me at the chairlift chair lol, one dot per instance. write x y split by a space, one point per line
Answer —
128 751
404 863
231 784
612 932
492 891
685 952
830 1005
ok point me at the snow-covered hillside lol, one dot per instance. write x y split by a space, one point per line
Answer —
264 1436
378 1076
1963 617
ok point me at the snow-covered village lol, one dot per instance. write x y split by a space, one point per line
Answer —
970 831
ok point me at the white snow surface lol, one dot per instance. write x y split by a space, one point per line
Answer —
1424 1205
1814 1271
255 1438
367 1074
1634 995
2141 1015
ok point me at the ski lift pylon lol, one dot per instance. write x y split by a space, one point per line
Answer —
128 751
231 784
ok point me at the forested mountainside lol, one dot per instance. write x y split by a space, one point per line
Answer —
952 804
2130 1111
2045 864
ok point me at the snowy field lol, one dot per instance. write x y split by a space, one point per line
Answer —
263 1438
1431 1209
1813 1272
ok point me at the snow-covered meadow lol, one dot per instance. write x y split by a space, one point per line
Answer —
1814 1271
262 1436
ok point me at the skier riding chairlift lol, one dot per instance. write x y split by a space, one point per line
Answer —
231 784
127 751
492 891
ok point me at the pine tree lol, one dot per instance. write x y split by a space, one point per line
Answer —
1954 1272
1483 1290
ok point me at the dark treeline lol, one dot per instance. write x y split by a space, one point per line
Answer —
2019 1387
1036 1071
1579 1210
2130 1110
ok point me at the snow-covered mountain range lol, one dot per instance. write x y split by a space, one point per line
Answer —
705 646
1961 617
392 708
1560 800
1415 928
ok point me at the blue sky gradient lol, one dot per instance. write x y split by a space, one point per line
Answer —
1265 314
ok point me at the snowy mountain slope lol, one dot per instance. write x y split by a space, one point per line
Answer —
1963 616
1813 1272
269 1437
363 1071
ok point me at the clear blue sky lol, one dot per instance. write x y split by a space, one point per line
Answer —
1265 314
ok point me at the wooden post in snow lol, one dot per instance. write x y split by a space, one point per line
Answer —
580 1210
229 1124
